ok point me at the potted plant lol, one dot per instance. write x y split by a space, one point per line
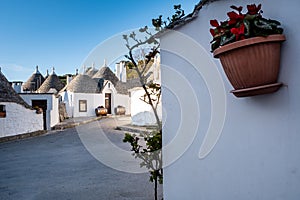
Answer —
2 114
38 110
248 47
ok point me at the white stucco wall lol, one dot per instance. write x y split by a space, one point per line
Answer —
116 98
19 120
141 112
257 154
52 113
93 101
122 100
67 98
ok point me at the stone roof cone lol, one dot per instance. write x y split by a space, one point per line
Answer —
82 84
8 94
34 81
91 72
105 73
51 84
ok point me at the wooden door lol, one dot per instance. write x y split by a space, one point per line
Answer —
108 102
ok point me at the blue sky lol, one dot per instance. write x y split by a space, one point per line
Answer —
61 33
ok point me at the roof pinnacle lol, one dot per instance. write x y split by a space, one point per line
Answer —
53 70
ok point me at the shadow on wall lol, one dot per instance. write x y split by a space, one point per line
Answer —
143 119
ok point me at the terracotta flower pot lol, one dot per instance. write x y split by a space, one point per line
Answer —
2 114
252 65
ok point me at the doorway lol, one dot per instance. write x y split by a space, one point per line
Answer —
41 104
108 102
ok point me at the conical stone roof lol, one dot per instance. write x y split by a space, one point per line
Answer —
52 82
8 94
82 84
91 72
123 88
106 74
34 82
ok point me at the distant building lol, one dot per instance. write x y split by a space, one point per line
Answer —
16 116
85 93
45 96
81 96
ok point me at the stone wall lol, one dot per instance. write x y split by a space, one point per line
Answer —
19 120
52 113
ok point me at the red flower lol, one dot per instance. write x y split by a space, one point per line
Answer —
234 17
212 32
253 9
239 32
214 23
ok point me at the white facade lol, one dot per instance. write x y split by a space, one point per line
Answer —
141 112
52 113
257 154
93 100
19 120
122 100
117 99
72 103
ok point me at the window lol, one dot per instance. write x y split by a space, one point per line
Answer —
2 111
82 106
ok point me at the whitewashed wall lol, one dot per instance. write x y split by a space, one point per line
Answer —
141 112
116 98
122 100
52 113
19 120
257 155
67 98
93 101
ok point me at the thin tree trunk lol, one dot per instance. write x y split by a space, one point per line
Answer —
155 188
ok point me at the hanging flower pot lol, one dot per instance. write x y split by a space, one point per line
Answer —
252 65
248 47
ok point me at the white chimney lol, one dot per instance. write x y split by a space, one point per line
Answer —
69 78
17 85
123 71
117 66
